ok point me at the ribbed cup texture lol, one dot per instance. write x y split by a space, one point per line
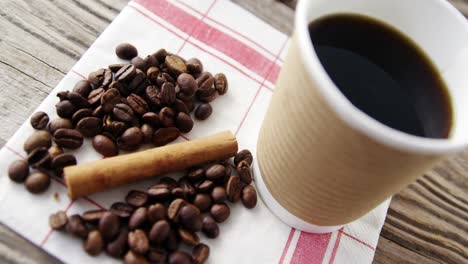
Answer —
316 166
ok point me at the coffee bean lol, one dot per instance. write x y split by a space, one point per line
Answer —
126 51
187 84
207 96
136 198
169 182
151 119
190 218
157 255
159 192
123 113
122 210
188 188
54 151
138 242
184 122
160 55
18 170
116 67
36 140
63 95
203 111
138 104
179 257
147 131
39 158
215 171
116 128
80 114
76 226
165 135
174 208
126 73
94 243
178 192
205 81
95 96
175 65
58 220
163 78
243 155
196 174
194 66
249 196
220 212
138 218
221 83
151 61
152 74
206 186
181 107
97 77
77 100
89 126
210 227
153 96
168 93
82 87
219 194
200 253
167 116
105 146
190 105
118 247
172 241
68 138
139 63
156 212
109 99
109 226
187 237
131 139
61 161
159 231
134 258
39 120
93 216
233 189
244 171
99 112
58 123
202 201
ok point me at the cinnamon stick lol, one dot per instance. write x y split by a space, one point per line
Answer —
85 179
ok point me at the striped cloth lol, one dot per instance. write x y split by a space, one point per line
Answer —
250 52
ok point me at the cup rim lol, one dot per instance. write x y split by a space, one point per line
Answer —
353 116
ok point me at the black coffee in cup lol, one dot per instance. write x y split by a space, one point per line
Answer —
383 73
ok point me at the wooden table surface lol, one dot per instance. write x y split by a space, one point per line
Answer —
40 40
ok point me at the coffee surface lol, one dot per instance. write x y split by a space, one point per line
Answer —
383 73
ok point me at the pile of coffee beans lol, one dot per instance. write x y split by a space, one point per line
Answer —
150 225
121 107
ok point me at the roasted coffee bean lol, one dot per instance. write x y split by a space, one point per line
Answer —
118 247
147 131
76 226
215 171
123 113
205 81
153 96
126 51
63 95
175 64
39 158
163 78
159 231
244 154
220 212
80 114
134 258
93 216
218 194
178 192
206 186
94 243
172 241
187 84
229 170
190 218
202 201
77 100
196 174
244 171
167 116
95 96
174 208
109 99
221 83
168 93
96 77
58 220
109 226
68 138
184 122
116 67
233 189
131 139
136 198
18 170
126 73
65 109
82 87
190 105
105 146
138 218
151 61
138 242
156 212
200 253
169 182
37 139
139 63
159 192
160 55
188 188
249 196
194 66
138 104
54 151
165 135
157 255
151 119
203 111
185 98
152 74
62 161
181 107
99 112
187 237
179 257
210 227
39 120
58 123
122 210
89 126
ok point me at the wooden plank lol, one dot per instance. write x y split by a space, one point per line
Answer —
391 252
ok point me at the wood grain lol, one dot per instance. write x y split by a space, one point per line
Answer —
427 222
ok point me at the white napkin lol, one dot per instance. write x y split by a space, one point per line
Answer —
226 39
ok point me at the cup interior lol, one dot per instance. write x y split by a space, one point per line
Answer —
435 26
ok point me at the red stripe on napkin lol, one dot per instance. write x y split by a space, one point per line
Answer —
310 248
